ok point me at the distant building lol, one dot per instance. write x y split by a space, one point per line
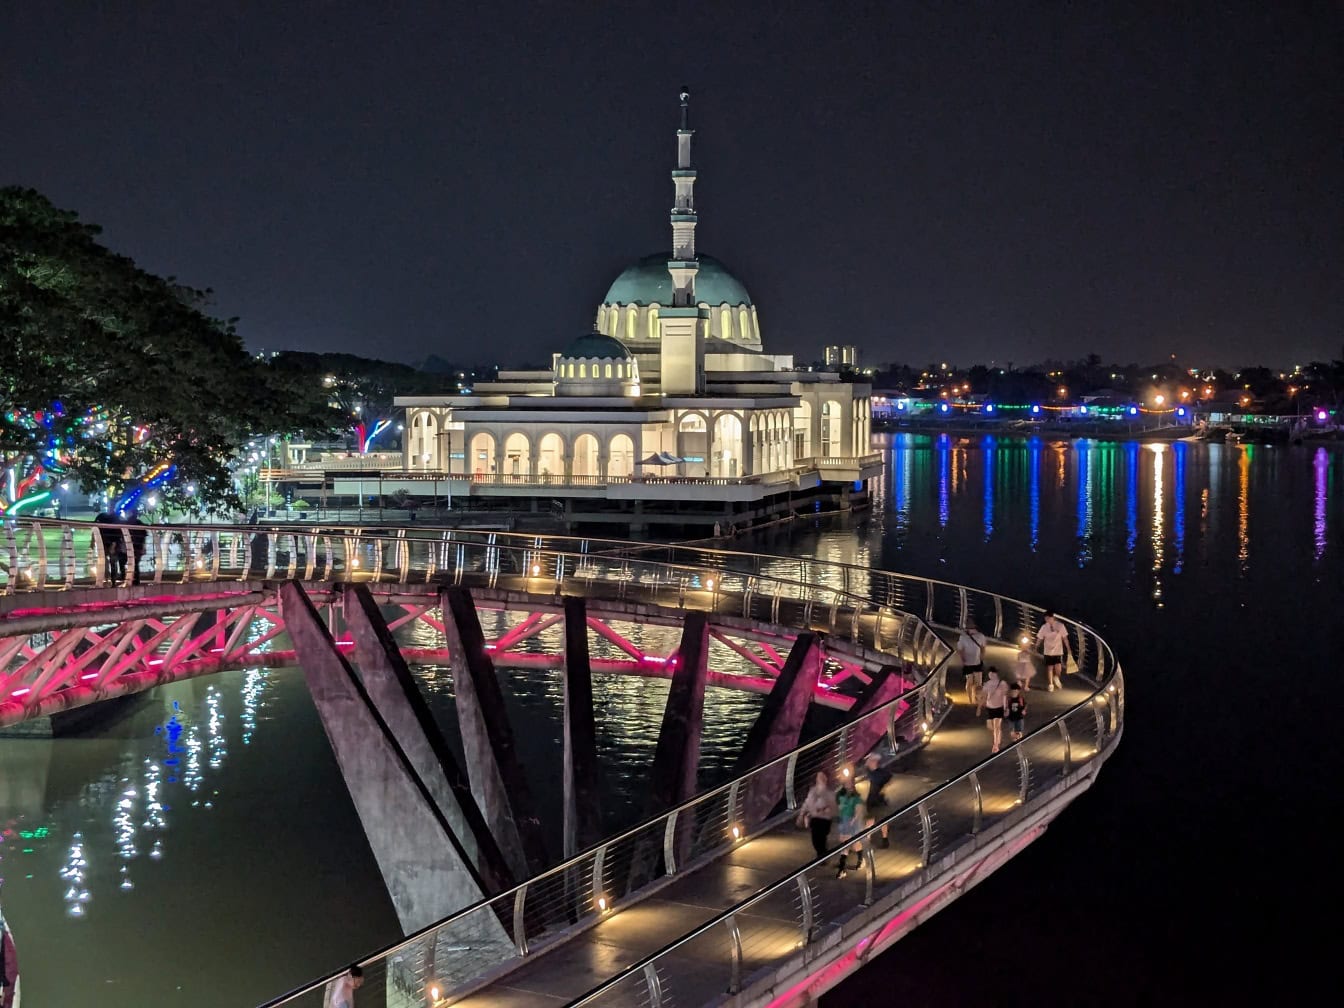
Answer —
671 398
841 356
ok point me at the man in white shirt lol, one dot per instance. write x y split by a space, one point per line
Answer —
1053 640
971 647
340 993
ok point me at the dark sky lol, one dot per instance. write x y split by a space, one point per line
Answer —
928 181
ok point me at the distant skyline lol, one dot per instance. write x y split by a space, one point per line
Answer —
970 182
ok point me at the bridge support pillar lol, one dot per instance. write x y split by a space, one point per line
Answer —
427 873
583 812
777 728
889 683
497 778
399 701
676 759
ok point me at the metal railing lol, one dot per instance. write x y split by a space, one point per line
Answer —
449 959
924 837
889 612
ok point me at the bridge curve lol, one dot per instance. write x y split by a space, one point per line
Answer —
782 938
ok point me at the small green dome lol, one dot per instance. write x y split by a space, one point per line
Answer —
648 282
594 344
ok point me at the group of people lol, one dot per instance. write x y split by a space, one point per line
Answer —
998 698
844 809
114 544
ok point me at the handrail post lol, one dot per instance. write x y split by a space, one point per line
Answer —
869 871
926 835
977 822
1023 774
654 986
520 919
670 843
805 900
735 951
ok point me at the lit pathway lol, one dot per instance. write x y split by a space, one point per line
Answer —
700 972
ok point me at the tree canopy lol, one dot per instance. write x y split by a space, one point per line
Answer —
111 375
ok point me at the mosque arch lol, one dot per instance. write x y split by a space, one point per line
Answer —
621 456
744 324
518 454
586 460
481 454
424 439
694 421
726 455
831 433
551 455
725 322
802 430
653 322
631 320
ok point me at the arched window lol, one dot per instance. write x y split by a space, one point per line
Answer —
583 370
743 323
630 316
653 322
725 322
606 371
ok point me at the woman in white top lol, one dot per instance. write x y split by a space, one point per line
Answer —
819 811
992 699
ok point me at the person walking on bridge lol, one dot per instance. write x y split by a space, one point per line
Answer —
1053 640
114 547
819 811
876 802
340 993
992 699
971 647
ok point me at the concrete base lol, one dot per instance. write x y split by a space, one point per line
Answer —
497 778
427 874
777 728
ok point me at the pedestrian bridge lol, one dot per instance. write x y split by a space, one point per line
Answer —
718 899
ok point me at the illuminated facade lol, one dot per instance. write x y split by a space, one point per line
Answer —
673 385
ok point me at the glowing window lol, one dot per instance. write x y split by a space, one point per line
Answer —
607 371
583 370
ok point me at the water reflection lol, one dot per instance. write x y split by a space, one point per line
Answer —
988 445
1244 508
1157 538
1131 497
1320 465
1083 450
1178 453
944 463
1034 470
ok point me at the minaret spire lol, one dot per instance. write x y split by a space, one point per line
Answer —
683 266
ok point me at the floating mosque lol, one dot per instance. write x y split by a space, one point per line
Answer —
669 412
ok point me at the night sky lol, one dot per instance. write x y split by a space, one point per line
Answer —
928 181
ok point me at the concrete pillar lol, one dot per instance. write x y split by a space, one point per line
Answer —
398 699
887 685
777 728
583 811
497 778
427 873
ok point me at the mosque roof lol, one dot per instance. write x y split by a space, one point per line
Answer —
647 282
594 344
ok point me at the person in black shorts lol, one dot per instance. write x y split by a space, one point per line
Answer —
992 699
876 802
1015 711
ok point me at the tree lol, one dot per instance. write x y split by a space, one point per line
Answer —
139 385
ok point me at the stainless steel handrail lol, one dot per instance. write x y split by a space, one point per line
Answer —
1008 752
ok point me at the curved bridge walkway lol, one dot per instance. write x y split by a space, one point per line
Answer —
720 900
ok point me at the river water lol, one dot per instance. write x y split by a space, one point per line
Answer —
202 850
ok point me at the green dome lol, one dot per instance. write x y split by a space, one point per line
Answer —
594 344
648 281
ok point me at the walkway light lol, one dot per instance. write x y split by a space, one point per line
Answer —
1035 408
1159 399
434 995
1083 410
1322 415
1133 411
536 569
737 832
709 584
989 407
1180 411
602 904
944 407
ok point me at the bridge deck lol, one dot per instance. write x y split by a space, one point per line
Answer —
700 972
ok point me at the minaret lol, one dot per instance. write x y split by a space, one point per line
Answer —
681 332
683 265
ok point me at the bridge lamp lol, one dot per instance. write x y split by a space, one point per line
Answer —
1133 411
1159 399
944 407
989 407
709 584
536 569
1082 410
737 832
1035 408
434 995
602 904
1322 415
1180 411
